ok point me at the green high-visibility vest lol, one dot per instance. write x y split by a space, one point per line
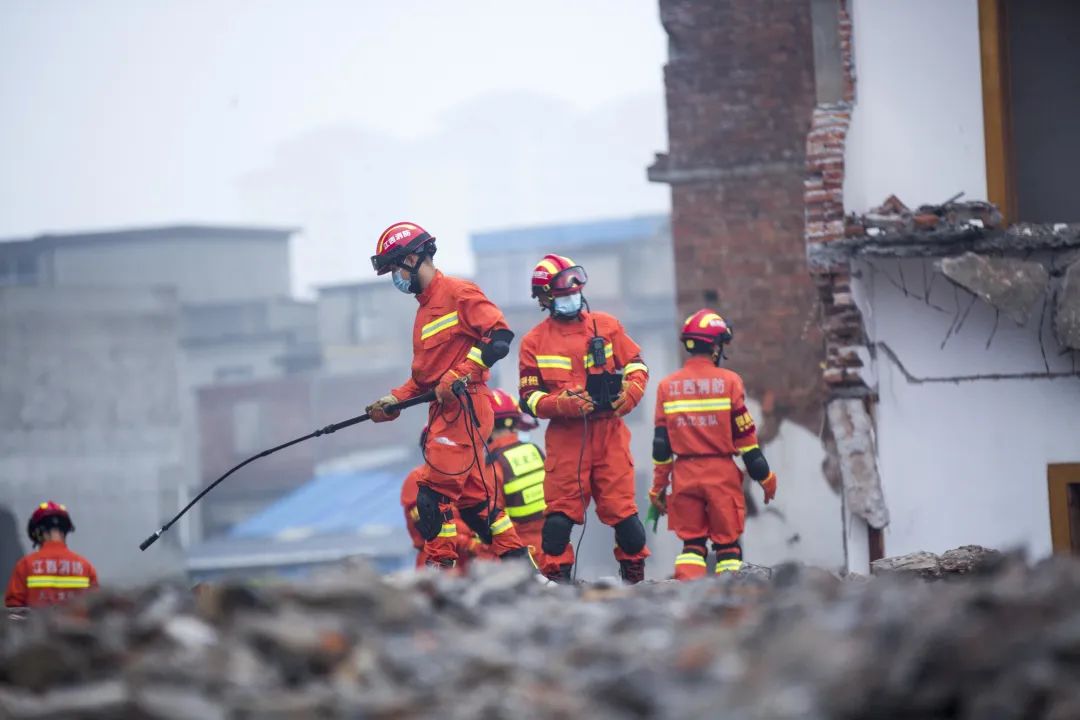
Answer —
523 480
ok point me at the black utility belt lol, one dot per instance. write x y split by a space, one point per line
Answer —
603 388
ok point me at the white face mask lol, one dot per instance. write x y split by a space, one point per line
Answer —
567 305
524 436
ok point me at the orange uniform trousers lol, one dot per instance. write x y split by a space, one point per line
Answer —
456 468
606 475
706 501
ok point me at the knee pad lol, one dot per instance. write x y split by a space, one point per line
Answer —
697 545
429 516
630 535
555 535
471 516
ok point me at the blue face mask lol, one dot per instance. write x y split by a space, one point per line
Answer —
401 282
567 305
524 436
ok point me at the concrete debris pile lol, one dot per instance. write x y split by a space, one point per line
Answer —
1002 641
894 217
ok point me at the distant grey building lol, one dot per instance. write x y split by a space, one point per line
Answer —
236 319
90 417
365 327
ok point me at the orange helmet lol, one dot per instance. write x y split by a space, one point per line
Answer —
48 515
556 275
507 413
399 241
705 326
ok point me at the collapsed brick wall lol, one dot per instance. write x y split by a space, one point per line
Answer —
824 203
740 91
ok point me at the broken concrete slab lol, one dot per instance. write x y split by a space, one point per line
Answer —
1067 311
968 559
922 564
853 431
963 560
1011 285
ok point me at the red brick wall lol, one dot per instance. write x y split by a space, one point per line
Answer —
740 93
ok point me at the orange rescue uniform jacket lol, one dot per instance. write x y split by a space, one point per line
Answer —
554 355
49 576
703 408
451 328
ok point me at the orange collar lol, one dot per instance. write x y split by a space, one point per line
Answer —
699 361
427 293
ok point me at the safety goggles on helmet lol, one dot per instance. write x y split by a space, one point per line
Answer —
568 281
387 261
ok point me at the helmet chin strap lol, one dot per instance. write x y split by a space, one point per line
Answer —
718 353
414 273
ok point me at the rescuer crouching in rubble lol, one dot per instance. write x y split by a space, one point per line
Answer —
458 335
587 443
51 574
701 424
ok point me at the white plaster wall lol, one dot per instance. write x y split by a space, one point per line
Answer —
803 522
964 462
917 126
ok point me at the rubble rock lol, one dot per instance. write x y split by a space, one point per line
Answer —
967 559
1011 285
1067 312
999 640
920 564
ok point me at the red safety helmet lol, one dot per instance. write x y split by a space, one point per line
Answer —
705 326
555 276
48 515
507 413
399 241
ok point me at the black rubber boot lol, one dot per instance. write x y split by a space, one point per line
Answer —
632 571
563 576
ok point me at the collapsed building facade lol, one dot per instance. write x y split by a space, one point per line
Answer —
939 226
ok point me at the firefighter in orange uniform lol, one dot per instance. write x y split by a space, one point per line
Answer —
701 424
467 544
53 573
588 444
457 336
519 469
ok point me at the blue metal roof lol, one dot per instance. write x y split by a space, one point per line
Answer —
332 503
595 232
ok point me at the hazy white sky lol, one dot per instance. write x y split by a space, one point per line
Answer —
337 117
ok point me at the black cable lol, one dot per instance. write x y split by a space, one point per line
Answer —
419 399
581 494
423 451
472 424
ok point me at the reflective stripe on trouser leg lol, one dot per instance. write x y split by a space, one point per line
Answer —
504 537
689 566
730 565
690 563
728 556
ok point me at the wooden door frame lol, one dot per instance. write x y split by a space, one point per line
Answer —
997 116
1058 478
